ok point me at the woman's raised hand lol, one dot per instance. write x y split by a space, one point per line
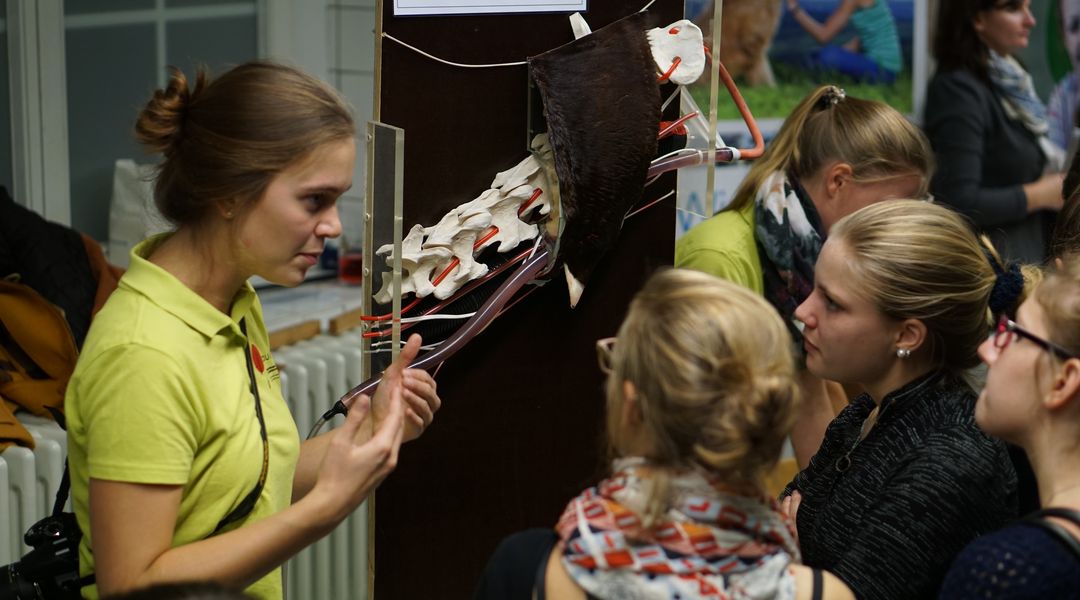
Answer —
354 463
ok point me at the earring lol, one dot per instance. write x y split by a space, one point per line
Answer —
902 353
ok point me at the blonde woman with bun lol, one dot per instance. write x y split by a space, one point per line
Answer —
902 299
700 396
186 464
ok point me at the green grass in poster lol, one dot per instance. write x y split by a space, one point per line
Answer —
793 85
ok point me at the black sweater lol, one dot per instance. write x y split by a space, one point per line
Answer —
923 483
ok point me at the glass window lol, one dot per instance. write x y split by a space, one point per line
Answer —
117 53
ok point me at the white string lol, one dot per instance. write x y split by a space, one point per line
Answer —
434 317
690 212
536 246
389 343
452 64
673 153
649 205
382 350
664 106
468 66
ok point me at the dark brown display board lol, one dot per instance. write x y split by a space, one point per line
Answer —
520 431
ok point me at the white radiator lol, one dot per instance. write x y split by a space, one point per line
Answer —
28 483
314 374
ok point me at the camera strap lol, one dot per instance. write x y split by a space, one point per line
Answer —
248 503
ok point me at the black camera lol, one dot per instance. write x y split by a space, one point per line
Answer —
51 569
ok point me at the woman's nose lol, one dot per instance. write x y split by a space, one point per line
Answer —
804 314
330 224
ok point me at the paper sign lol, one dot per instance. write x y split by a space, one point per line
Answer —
471 7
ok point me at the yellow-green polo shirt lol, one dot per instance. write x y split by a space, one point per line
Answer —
160 395
724 246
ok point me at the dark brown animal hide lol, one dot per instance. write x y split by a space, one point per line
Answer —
602 104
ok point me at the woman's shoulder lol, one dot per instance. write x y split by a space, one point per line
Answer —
724 246
1020 556
130 326
831 586
946 86
719 228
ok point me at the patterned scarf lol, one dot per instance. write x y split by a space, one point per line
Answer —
1017 92
710 544
789 237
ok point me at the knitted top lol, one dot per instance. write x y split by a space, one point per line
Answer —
1020 561
888 514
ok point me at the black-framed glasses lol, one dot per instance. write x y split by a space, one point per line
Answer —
1007 329
604 348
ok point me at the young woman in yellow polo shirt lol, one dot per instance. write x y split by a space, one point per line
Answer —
185 462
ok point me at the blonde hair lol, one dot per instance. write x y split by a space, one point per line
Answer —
713 369
1059 296
224 140
919 260
829 126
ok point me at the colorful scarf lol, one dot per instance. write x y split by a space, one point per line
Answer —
710 544
1017 92
789 238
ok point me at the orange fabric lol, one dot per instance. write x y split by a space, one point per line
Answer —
37 357
107 275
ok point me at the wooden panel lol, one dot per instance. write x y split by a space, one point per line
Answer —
520 432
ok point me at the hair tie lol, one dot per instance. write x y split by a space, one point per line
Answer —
831 97
1008 286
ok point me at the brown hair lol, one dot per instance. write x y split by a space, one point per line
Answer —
713 369
224 140
1059 296
828 126
920 260
1066 238
956 43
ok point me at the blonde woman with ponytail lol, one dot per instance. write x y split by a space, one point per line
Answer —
700 396
903 296
834 155
186 464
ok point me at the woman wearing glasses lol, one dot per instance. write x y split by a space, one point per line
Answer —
1032 398
700 394
904 478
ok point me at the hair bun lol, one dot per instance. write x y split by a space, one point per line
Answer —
161 123
1008 283
831 96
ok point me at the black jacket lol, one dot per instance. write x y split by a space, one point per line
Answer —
983 160
49 258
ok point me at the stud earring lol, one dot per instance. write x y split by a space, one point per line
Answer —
902 353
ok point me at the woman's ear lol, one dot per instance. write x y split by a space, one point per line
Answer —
227 209
911 335
836 177
1065 388
978 23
